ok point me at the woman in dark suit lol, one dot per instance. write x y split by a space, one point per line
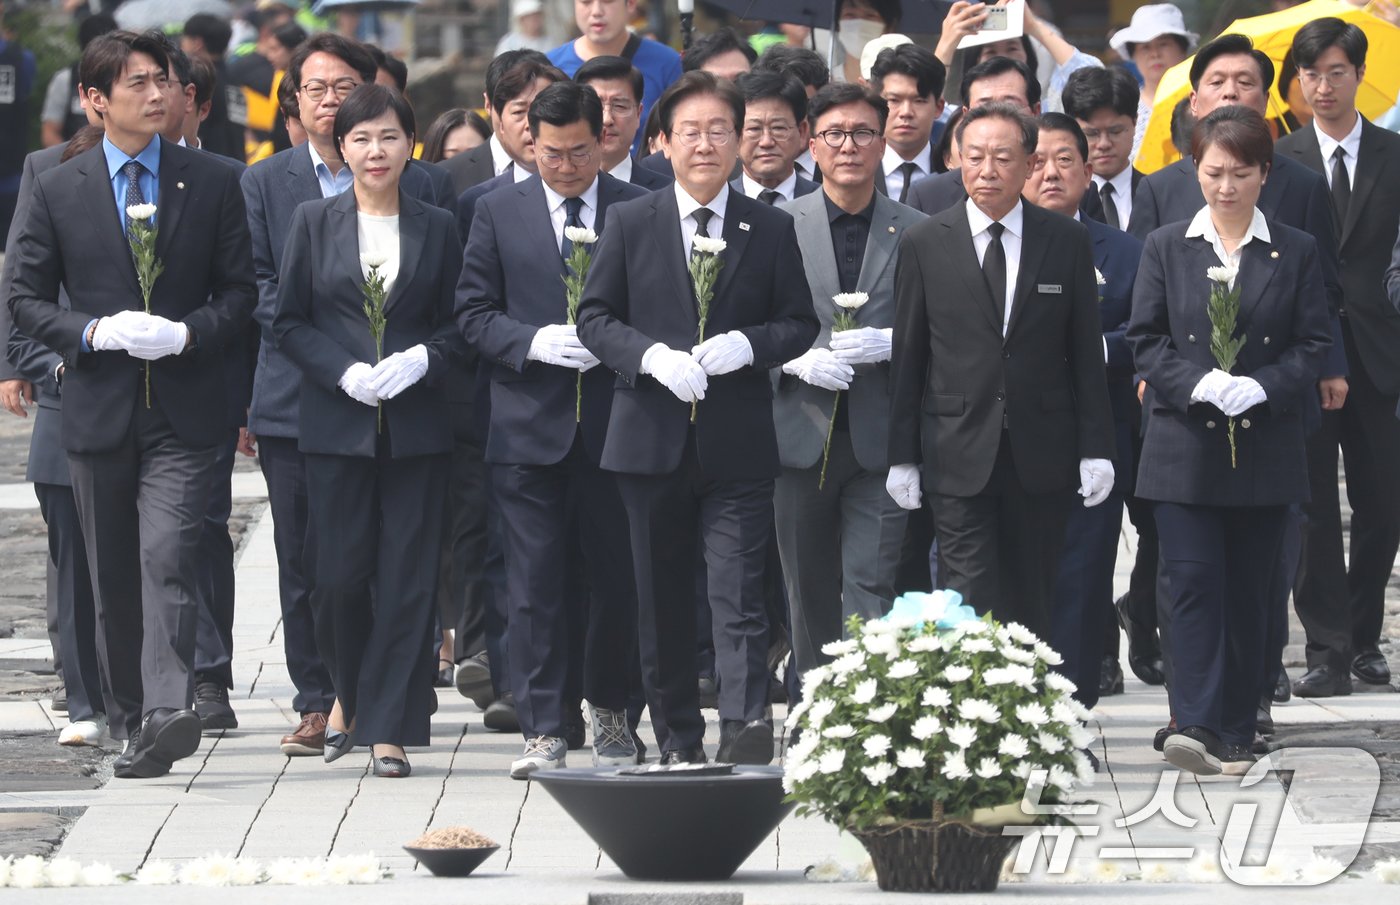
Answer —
1221 523
374 428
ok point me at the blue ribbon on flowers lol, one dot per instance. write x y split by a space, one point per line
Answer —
911 606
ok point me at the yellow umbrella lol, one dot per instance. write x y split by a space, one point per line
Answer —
1273 34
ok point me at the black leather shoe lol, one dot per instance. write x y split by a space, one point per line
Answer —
1370 667
709 693
1194 748
1159 737
1110 676
165 736
1322 682
1144 651
473 680
1283 689
211 703
745 743
694 755
59 704
500 715
1264 718
575 731
391 767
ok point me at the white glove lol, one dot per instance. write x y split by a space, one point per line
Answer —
110 334
356 382
1243 394
399 371
676 371
820 368
142 335
1209 388
1095 480
558 344
724 353
902 484
863 345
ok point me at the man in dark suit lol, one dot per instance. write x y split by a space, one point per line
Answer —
775 129
998 397
1342 602
1083 598
839 532
620 86
564 527
910 79
710 481
512 81
814 75
1104 100
141 472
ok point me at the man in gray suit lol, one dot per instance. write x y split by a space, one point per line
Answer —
839 532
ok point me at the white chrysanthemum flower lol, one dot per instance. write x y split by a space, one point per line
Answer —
1321 870
882 713
1203 869
140 211
864 693
709 245
988 768
1106 872
156 873
881 645
925 644
805 771
220 870
1060 778
63 872
1049 742
910 759
978 646
819 712
850 300
957 673
5 872
1018 655
976 709
1023 769
1221 274
876 746
1048 654
973 627
98 874
1057 682
1079 711
1072 875
815 676
865 871
878 627
831 761
1062 712
29 872
851 662
826 870
925 728
1020 634
373 260
1080 737
195 873
339 871
580 235
1158 872
1277 875
840 648
1014 746
936 696
246 873
844 730
1387 871
955 767
879 773
1032 714
309 872
962 736
1098 277
1083 769
365 869
903 669
283 871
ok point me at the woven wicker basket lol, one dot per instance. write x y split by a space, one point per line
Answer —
936 856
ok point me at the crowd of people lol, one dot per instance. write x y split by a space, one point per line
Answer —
629 392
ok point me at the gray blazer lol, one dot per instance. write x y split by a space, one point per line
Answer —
802 411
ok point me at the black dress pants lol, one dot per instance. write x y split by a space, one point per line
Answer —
70 587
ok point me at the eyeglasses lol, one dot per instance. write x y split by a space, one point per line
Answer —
690 138
1114 132
1335 78
555 161
779 131
835 138
316 89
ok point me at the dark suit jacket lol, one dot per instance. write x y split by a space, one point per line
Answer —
34 163
799 188
443 194
1091 205
1185 451
639 293
507 291
955 381
940 191
465 205
72 237
1366 241
649 179
470 167
1293 195
1116 257
319 323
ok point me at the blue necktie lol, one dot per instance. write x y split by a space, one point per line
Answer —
572 208
133 170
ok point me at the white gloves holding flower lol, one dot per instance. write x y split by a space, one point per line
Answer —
1231 394
822 369
140 335
371 384
862 345
558 344
677 371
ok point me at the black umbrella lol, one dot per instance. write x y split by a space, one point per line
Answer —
918 16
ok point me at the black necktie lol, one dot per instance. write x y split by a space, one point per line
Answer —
133 170
907 168
1341 186
768 196
572 208
994 269
1110 209
702 217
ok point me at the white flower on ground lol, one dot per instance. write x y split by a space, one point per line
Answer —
4 872
63 872
978 646
580 235
283 871
246 873
1048 654
140 211
850 300
1278 875
840 648
1158 872
957 673
864 693
882 713
976 709
28 872
1203 869
1056 682
831 761
880 773
820 711
910 759
373 259
876 746
1032 714
1106 872
1050 743
988 768
98 874
925 728
826 870
955 767
934 696
865 871
844 730
709 245
1072 875
881 645
903 669
1221 274
925 644
1321 870
156 873
365 869
309 872
962 735
1014 746
340 871
1387 871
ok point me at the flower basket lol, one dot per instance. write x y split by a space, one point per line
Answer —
936 856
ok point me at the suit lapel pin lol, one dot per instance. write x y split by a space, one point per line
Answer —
744 226
1273 254
891 229
179 185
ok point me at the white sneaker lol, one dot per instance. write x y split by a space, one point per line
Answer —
84 732
543 752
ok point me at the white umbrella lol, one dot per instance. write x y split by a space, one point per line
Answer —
139 15
350 5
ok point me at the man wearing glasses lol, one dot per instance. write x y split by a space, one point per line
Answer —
774 134
708 481
839 532
620 85
326 69
1105 100
564 531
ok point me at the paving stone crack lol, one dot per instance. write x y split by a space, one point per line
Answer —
270 792
254 684
156 837
519 815
205 762
346 813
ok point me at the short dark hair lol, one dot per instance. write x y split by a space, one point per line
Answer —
945 142
214 31
1130 47
802 62
988 69
1229 46
1030 132
397 69
1182 124
707 47
889 10
179 60
606 68
694 84
351 53
521 77
918 63
289 34
93 26
758 86
1095 88
1319 34
287 101
1238 130
370 101
565 103
1061 122
105 58
503 63
652 128
204 77
838 94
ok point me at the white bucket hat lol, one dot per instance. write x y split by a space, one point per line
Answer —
873 49
1149 22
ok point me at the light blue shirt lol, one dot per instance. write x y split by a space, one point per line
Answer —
332 184
149 181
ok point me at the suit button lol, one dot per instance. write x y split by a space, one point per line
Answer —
1266 340
1005 354
999 397
1244 423
1191 337
1210 424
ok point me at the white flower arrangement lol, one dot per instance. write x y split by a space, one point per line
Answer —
953 720
580 235
140 211
34 872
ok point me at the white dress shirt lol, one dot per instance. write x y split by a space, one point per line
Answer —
894 179
806 167
499 158
689 206
558 213
1010 241
787 188
1351 145
623 170
1202 227
1122 194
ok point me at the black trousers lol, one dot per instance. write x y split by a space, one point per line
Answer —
284 468
70 589
1083 602
463 592
1341 600
1001 548
213 639
1220 566
668 515
568 567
